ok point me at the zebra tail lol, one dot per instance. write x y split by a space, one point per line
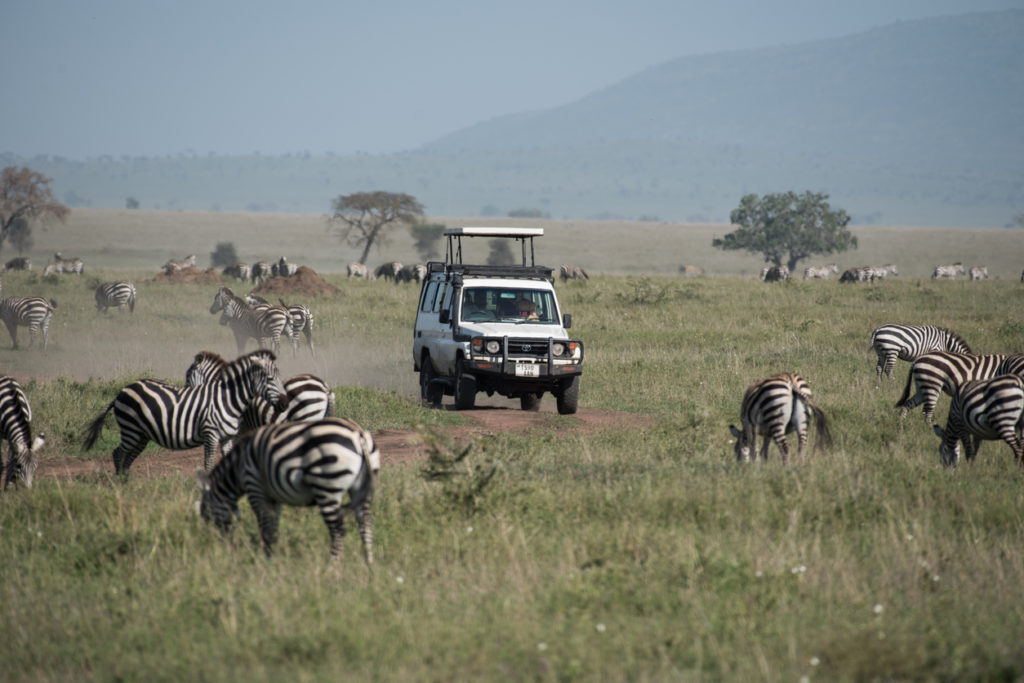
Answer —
92 432
823 437
53 304
330 403
906 390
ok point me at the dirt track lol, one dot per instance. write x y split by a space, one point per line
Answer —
396 446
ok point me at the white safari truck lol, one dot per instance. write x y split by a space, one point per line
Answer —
494 329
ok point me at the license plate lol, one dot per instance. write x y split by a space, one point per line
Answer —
527 370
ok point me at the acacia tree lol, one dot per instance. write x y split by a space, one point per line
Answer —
787 228
25 195
361 219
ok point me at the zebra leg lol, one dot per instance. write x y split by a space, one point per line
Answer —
267 515
125 454
365 522
931 399
330 510
12 329
913 402
890 364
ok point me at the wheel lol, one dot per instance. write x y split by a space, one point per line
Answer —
465 389
430 392
568 397
530 402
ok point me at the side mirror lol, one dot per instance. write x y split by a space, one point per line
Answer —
445 317
566 320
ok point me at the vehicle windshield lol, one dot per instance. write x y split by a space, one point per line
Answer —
481 304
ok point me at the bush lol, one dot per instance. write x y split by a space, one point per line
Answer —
224 254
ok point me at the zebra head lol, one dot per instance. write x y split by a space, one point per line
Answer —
214 507
222 300
266 381
23 463
204 367
949 449
742 445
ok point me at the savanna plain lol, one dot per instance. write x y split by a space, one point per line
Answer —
636 550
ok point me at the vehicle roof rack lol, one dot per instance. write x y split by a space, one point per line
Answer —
453 254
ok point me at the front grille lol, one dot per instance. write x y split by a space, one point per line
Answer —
537 348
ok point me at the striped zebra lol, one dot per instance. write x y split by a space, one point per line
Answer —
950 271
775 273
414 272
18 263
1013 365
173 266
16 429
115 294
979 273
568 271
239 271
873 273
987 409
299 464
283 268
359 270
820 272
185 417
309 397
774 407
943 371
859 274
71 266
33 312
264 323
302 321
908 342
260 271
388 271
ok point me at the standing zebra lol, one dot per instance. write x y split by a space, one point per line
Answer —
239 271
820 272
357 269
119 294
33 312
286 269
774 407
987 409
940 371
309 397
70 266
302 321
264 323
908 342
173 266
260 271
388 271
19 263
16 429
300 464
775 273
950 271
178 418
979 273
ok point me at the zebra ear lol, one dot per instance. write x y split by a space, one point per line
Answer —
735 432
938 431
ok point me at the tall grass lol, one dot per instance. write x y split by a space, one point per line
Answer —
635 551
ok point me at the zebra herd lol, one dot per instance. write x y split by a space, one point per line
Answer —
870 273
987 391
260 271
393 271
256 318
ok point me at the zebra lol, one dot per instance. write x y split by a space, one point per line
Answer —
357 269
950 271
859 274
185 417
979 273
986 409
70 266
820 272
239 271
265 323
940 371
775 273
299 464
414 272
19 263
774 407
1012 365
173 266
260 271
119 294
570 272
16 429
283 268
301 317
908 342
309 397
33 312
872 273
388 271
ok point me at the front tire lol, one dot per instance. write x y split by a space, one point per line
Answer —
430 391
568 397
529 402
465 389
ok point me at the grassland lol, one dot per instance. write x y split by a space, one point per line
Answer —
619 554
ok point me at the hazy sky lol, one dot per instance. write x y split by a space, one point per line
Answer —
83 78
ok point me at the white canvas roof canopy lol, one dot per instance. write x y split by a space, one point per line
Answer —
523 235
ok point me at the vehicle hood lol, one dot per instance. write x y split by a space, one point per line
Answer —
520 330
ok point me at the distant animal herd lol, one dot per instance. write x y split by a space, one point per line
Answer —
872 273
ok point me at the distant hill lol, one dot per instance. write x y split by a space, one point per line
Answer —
918 123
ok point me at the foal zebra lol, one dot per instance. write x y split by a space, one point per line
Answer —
33 312
178 418
16 429
115 294
950 271
265 323
940 371
986 409
309 397
300 464
774 407
908 342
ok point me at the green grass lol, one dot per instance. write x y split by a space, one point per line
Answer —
615 553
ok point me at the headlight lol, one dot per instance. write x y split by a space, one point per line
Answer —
493 347
558 348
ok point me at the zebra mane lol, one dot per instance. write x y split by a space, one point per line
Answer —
210 356
958 338
255 355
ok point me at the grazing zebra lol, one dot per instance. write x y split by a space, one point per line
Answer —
908 342
940 371
263 322
16 429
309 397
388 271
986 409
774 407
283 268
19 263
62 265
570 272
260 271
950 271
119 294
357 269
775 273
178 418
173 266
414 272
299 464
820 272
33 312
979 273
239 271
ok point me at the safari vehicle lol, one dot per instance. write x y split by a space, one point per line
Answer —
494 329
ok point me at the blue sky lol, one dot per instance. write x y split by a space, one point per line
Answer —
140 78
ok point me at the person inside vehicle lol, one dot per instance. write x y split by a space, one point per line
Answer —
474 305
527 309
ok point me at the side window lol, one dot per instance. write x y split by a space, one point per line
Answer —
428 297
439 295
446 298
